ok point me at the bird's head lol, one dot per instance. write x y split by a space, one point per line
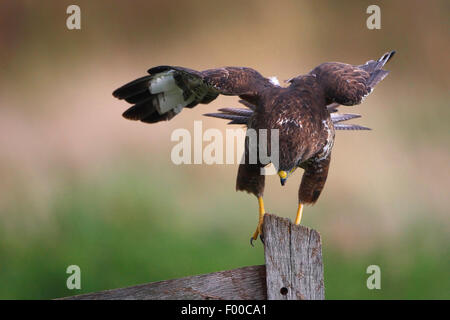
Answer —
285 174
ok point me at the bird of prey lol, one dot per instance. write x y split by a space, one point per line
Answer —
304 112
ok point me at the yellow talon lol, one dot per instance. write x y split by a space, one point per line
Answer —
261 218
298 219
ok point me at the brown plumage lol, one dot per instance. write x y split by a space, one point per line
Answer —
305 112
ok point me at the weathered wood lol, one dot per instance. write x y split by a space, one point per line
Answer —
293 271
293 256
239 284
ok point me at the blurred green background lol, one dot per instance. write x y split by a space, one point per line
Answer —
81 185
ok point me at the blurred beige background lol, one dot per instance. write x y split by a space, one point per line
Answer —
70 164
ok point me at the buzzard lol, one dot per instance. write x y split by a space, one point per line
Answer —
304 112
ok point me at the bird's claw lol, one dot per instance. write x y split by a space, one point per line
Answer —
261 237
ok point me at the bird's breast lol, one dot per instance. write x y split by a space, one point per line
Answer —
328 134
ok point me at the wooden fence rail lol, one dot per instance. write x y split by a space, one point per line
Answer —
293 270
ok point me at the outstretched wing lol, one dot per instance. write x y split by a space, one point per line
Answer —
348 84
167 90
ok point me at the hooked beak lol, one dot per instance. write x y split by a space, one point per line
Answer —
283 177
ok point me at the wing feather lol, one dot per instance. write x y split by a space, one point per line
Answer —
341 126
169 89
348 84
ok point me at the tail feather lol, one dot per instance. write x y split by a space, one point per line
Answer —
242 116
247 104
237 111
235 119
236 115
341 126
339 117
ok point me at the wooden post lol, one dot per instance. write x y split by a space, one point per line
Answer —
293 256
293 271
246 283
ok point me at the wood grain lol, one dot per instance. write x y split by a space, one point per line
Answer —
248 283
293 271
293 257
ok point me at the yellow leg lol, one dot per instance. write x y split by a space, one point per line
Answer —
261 218
298 219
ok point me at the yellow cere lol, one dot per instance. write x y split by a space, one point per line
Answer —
282 174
